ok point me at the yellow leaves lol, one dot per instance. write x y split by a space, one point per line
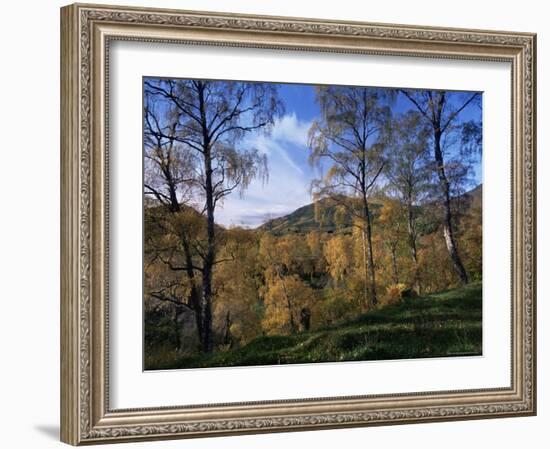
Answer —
393 294
263 283
338 252
291 253
470 238
390 211
391 222
285 297
333 172
236 287
314 241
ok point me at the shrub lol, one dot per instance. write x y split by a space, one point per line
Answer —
394 294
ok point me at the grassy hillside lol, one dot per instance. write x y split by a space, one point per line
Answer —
306 219
436 325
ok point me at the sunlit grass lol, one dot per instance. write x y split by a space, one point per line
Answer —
437 325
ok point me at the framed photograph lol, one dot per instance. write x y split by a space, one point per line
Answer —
279 224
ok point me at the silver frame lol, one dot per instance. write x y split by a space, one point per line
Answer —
87 31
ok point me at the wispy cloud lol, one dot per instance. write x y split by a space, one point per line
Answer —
290 129
287 139
289 176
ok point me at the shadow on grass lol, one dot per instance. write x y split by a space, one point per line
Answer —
438 325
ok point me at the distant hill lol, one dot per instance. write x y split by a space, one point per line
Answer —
321 216
475 193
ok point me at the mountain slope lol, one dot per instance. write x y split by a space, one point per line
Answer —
322 216
315 216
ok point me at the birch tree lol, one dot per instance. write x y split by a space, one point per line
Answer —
349 141
409 174
441 111
208 121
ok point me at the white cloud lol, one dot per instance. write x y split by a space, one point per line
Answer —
280 196
289 177
287 138
273 149
290 129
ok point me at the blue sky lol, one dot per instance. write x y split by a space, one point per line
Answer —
290 173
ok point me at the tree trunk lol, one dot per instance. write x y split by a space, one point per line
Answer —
291 320
370 256
207 268
194 295
412 244
194 299
447 215
365 268
209 257
177 329
227 340
393 250
187 335
305 319
206 302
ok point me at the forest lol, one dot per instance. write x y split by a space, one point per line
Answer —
383 261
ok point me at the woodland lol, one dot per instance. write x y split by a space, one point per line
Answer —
384 262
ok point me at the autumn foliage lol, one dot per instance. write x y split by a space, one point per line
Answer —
392 213
270 284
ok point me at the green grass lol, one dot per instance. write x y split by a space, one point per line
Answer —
437 325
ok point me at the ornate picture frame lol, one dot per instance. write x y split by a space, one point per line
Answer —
87 31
